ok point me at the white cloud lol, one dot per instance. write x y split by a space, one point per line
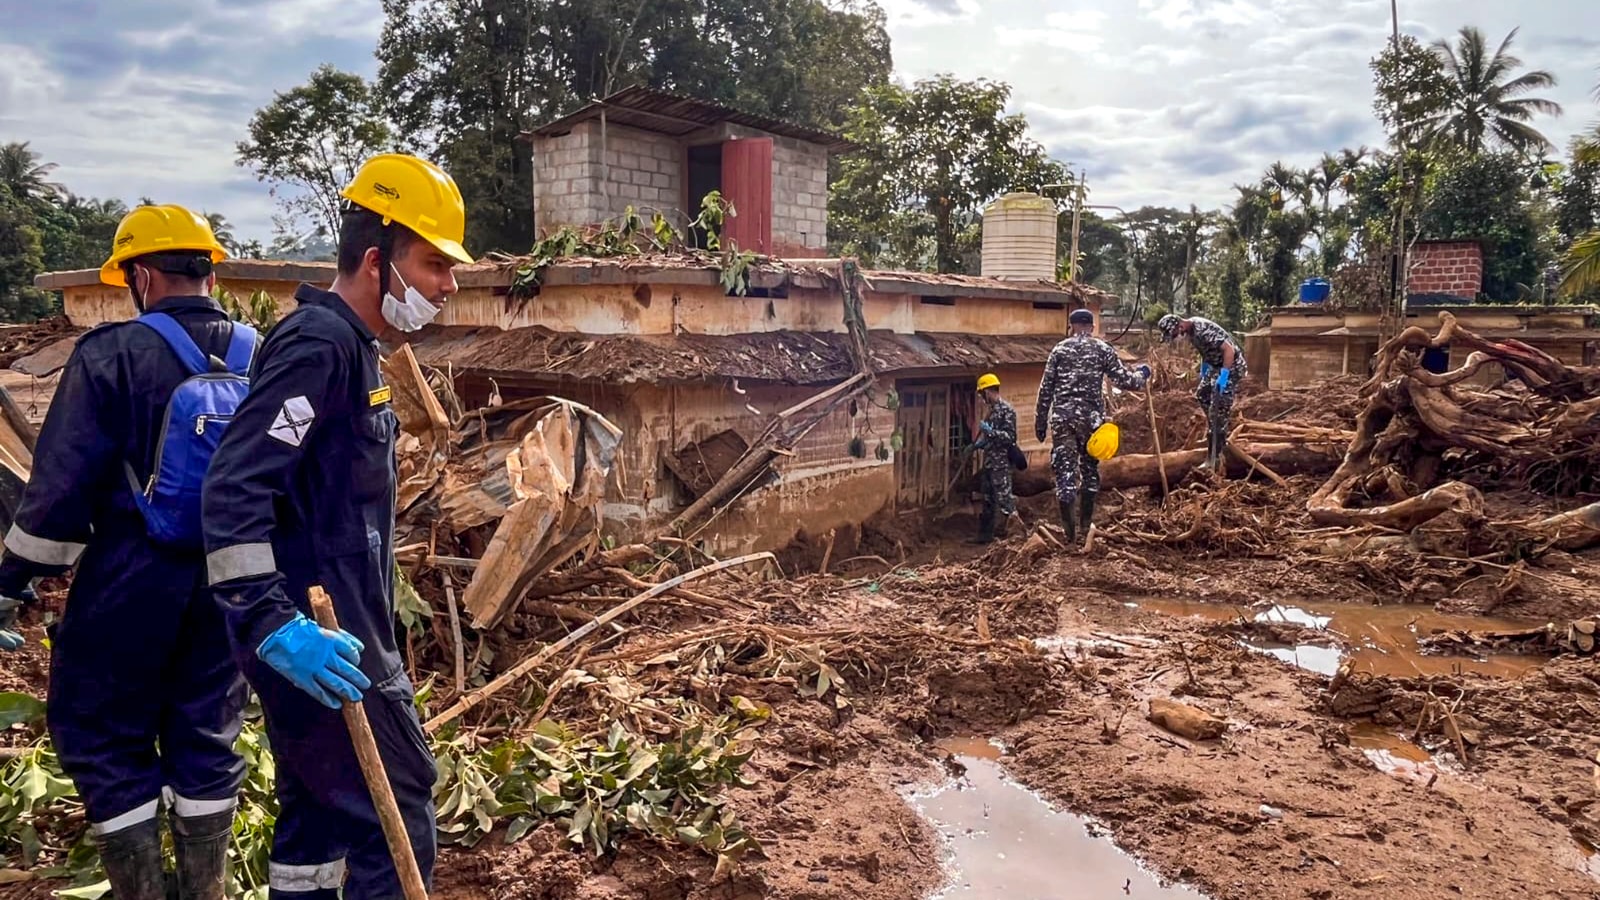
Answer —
1162 101
1079 32
1174 101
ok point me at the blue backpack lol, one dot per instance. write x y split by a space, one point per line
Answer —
199 411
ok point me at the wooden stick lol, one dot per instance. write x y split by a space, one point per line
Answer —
827 555
1155 435
377 777
1256 464
533 662
455 632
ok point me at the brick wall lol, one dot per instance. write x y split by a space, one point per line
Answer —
646 171
1454 268
572 187
799 197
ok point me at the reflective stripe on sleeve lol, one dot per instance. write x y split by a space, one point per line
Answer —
240 561
40 550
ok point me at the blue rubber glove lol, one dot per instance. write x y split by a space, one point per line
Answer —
986 428
1205 370
318 661
1222 380
10 638
1144 371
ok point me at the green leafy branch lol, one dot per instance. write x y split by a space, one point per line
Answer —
597 790
633 235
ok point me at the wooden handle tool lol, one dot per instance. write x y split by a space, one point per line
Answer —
377 777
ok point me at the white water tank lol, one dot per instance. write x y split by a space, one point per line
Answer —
1019 238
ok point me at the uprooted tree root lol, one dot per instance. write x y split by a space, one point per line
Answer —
1538 431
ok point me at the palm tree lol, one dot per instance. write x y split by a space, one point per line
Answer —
1484 102
1283 182
222 231
21 171
1580 271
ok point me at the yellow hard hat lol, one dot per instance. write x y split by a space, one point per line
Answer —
158 229
417 194
1103 443
988 381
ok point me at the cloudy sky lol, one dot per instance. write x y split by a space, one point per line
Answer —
1161 101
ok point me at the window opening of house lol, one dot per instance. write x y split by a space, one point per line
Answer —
937 301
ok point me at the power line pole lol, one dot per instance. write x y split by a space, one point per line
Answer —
1399 274
1077 218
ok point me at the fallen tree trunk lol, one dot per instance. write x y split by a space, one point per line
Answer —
1144 470
1573 530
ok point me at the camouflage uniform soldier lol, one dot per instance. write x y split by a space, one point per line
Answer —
1222 366
1072 403
999 436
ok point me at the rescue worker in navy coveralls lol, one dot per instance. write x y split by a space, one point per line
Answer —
302 492
999 430
1222 366
1072 404
144 697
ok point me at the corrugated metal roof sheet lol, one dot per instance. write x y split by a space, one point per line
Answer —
665 113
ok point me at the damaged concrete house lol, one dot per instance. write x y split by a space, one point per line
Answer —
1306 344
692 373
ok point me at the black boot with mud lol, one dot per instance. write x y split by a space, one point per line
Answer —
132 857
985 526
1087 507
1069 520
201 845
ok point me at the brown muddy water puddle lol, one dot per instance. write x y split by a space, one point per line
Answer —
1390 753
1005 841
1382 640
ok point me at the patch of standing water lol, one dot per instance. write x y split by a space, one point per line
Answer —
1393 755
1006 842
1382 639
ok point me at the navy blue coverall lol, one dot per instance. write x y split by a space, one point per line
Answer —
302 492
140 659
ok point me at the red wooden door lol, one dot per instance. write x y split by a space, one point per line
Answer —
747 184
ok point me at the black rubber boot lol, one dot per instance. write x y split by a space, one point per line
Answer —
201 843
1069 520
132 857
1087 507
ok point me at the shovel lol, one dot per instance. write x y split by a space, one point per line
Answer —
377 777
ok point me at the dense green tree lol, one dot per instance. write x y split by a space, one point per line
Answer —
1485 197
21 258
464 81
1411 88
931 157
308 142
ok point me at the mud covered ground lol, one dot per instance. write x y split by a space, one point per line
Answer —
1311 793
1353 766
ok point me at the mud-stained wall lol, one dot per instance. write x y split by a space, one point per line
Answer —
707 309
96 304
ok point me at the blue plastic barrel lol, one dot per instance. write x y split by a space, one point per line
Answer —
1314 290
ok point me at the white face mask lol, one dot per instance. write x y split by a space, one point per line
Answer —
412 313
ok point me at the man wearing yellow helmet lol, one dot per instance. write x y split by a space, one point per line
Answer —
998 442
301 493
1072 404
145 699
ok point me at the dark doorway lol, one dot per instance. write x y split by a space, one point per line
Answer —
1436 359
705 176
